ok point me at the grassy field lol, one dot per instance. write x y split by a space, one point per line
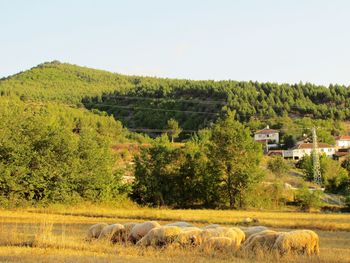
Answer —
56 234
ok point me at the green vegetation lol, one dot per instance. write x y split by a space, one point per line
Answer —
61 83
309 199
335 177
173 129
278 166
54 153
144 102
218 170
60 121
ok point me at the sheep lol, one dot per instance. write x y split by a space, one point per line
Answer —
221 232
220 243
191 228
180 224
265 239
160 236
125 233
210 226
240 234
248 231
298 241
141 229
189 236
112 232
95 230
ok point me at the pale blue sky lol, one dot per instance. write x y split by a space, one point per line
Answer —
264 40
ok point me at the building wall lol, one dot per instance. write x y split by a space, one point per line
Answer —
300 153
343 143
272 137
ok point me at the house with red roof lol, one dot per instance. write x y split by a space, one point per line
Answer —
342 141
268 137
267 134
303 149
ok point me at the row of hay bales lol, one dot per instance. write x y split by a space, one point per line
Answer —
209 238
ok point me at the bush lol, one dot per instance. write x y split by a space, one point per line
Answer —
309 199
278 166
45 159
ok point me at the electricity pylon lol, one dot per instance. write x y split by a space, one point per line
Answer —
316 159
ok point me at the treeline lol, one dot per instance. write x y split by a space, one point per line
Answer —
217 168
51 153
65 83
145 102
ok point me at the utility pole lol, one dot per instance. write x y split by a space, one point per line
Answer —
315 158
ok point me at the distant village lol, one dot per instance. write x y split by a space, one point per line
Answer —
271 144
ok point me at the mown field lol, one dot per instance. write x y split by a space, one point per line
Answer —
57 235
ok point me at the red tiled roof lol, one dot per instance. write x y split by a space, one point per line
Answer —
340 154
310 146
266 131
344 150
262 141
275 152
343 138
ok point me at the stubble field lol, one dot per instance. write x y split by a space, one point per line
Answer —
57 234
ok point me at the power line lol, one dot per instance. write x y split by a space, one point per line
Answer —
315 159
158 130
154 109
221 102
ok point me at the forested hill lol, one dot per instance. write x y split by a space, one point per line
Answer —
148 102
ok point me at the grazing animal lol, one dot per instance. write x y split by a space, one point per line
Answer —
221 244
240 234
127 231
220 232
248 231
160 236
141 229
95 230
114 232
262 240
180 224
210 226
298 241
189 236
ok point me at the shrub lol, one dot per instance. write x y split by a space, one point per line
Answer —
309 199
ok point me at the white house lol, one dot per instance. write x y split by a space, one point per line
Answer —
267 135
342 141
302 149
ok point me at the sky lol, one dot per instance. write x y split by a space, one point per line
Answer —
284 41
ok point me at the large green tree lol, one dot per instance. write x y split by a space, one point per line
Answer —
43 158
335 178
234 158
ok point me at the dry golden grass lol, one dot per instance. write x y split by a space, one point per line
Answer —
57 235
279 219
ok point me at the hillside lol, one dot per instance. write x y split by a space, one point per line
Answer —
147 102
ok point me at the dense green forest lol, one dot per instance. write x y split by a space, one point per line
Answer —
60 121
50 152
148 102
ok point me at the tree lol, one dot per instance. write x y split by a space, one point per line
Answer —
234 158
346 164
173 128
156 169
309 199
289 141
334 177
278 166
42 160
